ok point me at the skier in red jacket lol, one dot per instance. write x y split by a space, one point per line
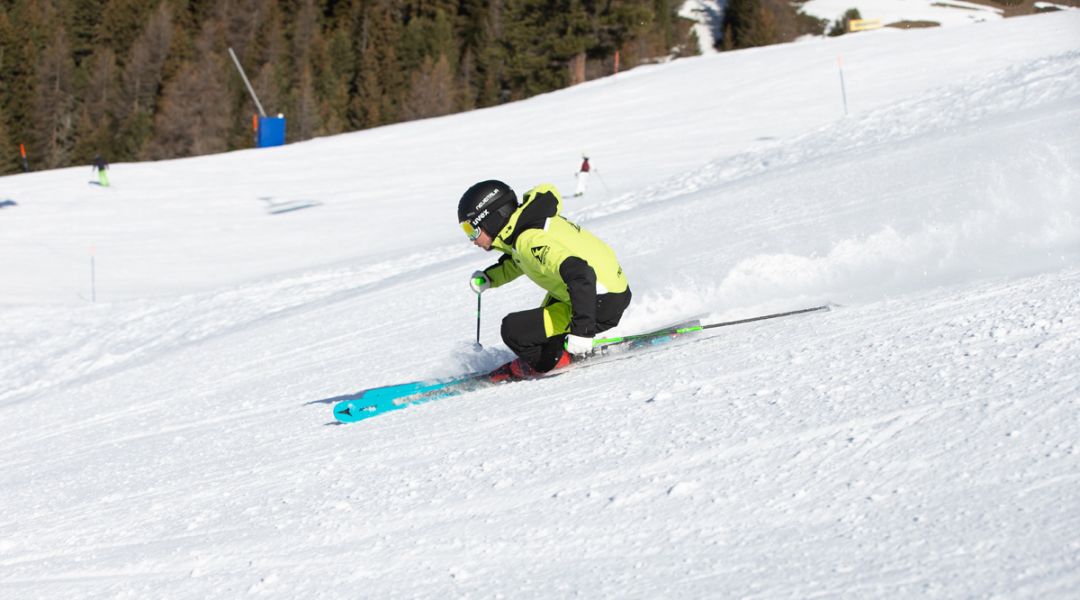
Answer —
582 177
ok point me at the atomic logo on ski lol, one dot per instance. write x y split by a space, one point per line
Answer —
350 407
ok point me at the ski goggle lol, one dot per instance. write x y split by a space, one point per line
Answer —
472 232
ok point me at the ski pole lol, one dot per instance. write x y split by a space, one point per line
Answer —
478 345
606 188
630 338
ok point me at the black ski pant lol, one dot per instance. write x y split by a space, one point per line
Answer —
525 334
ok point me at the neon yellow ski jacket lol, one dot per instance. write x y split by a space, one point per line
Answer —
573 265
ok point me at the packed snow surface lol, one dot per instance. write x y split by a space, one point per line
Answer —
173 438
942 12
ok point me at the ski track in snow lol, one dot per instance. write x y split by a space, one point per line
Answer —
920 439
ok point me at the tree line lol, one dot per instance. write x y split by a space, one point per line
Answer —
752 23
139 80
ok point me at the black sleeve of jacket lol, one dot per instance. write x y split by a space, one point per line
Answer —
581 284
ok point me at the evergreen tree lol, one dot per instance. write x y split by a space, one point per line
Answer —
618 23
663 12
196 111
305 32
120 24
840 26
432 91
9 153
427 38
748 24
189 16
241 20
272 81
763 30
378 80
94 125
186 18
332 82
428 52
539 41
54 104
305 119
481 67
82 18
141 84
17 72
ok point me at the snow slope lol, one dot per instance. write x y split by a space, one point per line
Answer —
946 14
708 14
172 439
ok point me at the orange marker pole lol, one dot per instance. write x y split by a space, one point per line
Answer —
25 163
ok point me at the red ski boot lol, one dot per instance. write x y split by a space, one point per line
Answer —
517 369
502 373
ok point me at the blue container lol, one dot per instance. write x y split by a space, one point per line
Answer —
271 131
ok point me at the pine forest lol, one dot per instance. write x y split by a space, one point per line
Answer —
139 80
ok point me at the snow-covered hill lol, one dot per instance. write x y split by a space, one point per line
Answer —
171 439
945 14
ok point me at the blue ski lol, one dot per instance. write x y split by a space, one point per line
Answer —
380 400
376 401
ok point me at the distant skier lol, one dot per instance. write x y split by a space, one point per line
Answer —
101 165
587 291
582 177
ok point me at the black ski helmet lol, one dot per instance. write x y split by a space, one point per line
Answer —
486 205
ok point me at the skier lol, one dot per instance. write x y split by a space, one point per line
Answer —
582 177
100 165
587 291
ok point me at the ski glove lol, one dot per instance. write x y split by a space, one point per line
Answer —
479 282
578 345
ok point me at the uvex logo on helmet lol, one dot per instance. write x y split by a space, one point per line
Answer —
480 217
483 204
487 206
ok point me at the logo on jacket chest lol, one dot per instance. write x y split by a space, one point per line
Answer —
540 254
